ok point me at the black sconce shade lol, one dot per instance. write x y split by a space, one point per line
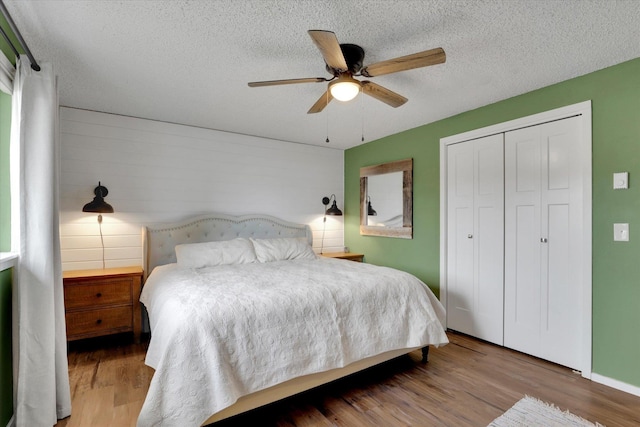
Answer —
333 210
370 210
98 204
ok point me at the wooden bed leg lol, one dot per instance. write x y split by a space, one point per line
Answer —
425 354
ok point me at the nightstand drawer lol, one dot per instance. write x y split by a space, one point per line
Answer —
102 302
104 292
98 322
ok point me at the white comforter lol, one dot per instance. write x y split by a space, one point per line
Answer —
222 332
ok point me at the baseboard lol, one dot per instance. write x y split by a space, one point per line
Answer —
619 385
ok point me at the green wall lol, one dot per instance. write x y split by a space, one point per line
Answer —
6 381
615 96
5 129
5 199
6 375
6 387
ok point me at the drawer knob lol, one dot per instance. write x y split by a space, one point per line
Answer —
99 321
98 295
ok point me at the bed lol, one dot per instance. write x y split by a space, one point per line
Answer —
242 313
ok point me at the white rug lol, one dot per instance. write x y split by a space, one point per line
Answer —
531 412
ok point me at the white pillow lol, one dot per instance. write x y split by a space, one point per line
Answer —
210 254
268 250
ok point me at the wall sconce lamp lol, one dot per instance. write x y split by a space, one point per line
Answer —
98 205
333 210
370 210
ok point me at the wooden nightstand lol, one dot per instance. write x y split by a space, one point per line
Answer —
345 255
102 302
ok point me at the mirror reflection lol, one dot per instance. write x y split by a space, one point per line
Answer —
384 193
386 199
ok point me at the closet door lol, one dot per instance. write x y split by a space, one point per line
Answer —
475 236
543 240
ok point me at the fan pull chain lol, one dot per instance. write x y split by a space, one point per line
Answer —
327 115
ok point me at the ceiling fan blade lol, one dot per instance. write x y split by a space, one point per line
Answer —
322 102
330 49
403 63
287 82
383 94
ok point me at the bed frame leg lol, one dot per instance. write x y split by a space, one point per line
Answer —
425 354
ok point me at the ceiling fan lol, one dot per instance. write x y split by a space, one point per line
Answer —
344 61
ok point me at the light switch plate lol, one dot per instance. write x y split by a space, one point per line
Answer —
621 232
620 180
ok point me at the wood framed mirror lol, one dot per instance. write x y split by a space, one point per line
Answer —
386 199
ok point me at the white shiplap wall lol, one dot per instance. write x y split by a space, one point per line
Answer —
157 172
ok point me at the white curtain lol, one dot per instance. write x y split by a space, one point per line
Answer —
41 376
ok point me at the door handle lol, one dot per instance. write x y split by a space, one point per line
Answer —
469 236
543 240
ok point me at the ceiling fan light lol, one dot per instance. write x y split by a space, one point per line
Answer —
345 88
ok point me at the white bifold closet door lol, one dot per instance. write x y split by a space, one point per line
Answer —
543 239
475 237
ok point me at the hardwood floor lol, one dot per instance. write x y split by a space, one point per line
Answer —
466 383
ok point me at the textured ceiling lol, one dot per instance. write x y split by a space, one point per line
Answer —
189 62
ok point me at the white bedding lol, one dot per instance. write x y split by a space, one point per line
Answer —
219 333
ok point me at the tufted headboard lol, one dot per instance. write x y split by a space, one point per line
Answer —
160 240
